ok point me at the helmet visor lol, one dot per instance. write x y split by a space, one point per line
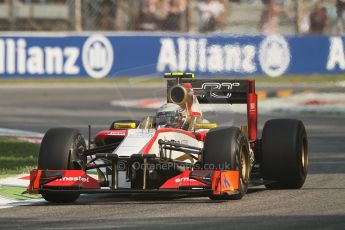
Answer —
166 119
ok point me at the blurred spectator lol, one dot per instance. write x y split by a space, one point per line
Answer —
176 10
212 14
331 11
340 16
100 15
151 14
162 11
107 14
304 23
318 19
270 16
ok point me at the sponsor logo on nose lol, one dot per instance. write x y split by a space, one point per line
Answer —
97 56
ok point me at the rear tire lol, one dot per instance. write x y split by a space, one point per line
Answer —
284 154
227 149
60 148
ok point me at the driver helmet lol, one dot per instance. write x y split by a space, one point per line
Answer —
170 115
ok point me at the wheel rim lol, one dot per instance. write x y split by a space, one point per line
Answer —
304 157
243 165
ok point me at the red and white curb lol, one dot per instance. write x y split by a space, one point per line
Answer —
27 136
21 180
33 137
300 102
17 181
305 102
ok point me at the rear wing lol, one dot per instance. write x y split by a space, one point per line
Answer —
219 91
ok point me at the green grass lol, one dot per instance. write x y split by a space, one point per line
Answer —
17 193
315 79
17 157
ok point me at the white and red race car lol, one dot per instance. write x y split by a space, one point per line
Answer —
194 157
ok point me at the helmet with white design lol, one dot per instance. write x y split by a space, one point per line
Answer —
171 115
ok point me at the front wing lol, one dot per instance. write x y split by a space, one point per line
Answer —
197 183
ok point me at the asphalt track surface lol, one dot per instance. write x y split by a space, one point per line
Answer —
320 204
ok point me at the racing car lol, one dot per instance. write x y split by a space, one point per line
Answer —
177 151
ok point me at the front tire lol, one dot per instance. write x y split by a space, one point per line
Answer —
60 149
225 148
284 154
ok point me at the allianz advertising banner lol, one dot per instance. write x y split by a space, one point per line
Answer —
111 55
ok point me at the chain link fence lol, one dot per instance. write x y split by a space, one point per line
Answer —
231 16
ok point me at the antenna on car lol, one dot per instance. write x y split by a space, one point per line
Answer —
178 76
89 137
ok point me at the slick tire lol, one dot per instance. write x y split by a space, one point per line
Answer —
225 148
284 154
60 149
